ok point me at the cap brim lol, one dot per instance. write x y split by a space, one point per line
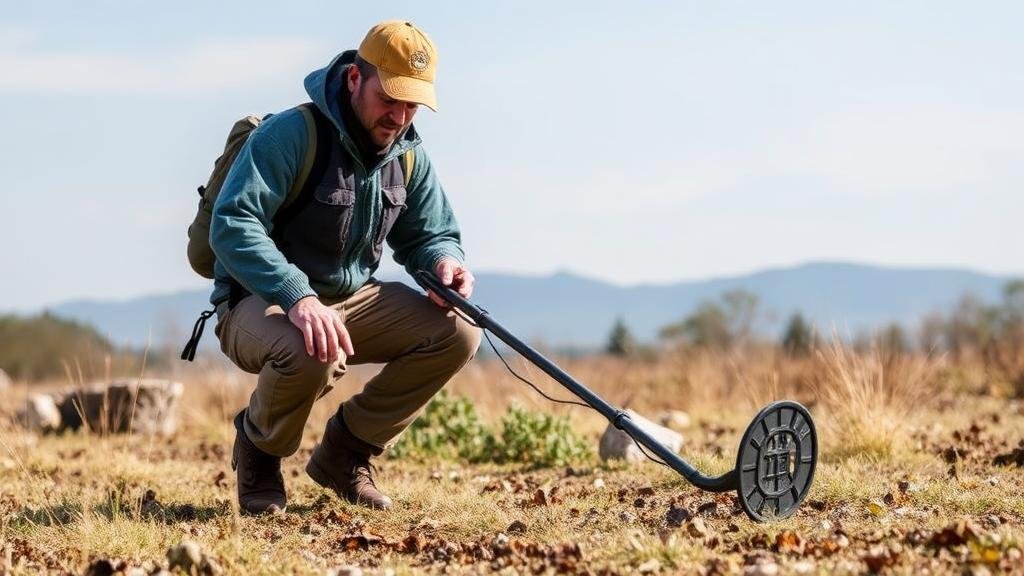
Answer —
408 89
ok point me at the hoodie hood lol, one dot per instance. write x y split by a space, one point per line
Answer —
324 85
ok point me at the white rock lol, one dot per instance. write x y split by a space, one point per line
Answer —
616 444
41 413
675 419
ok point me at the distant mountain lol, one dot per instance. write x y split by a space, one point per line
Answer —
569 310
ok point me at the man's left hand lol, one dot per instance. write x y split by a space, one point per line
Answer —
455 276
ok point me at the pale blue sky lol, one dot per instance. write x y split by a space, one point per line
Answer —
632 142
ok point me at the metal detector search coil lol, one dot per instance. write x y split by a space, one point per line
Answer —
777 455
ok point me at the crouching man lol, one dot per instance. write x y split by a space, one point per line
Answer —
295 299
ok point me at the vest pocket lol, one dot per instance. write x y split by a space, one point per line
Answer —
393 205
330 218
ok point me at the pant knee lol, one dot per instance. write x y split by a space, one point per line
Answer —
465 340
291 359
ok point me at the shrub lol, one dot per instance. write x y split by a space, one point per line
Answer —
448 428
539 439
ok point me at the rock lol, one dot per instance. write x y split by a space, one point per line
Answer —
616 444
41 414
186 555
697 528
676 515
675 419
189 556
147 407
500 542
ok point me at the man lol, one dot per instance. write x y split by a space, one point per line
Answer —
295 299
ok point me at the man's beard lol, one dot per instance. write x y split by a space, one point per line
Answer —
371 125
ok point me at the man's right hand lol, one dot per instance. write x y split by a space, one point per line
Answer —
324 332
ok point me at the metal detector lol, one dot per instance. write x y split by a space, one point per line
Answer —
777 454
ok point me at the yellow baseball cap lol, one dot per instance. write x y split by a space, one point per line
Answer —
406 61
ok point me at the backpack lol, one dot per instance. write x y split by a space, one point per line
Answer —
200 254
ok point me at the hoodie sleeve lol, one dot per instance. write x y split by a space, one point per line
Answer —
255 187
427 230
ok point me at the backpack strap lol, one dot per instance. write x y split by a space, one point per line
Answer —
307 111
408 160
314 164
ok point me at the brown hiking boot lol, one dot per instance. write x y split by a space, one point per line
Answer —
341 462
260 484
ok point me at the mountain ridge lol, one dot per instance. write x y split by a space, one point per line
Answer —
568 309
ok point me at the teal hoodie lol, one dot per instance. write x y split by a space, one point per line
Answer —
258 183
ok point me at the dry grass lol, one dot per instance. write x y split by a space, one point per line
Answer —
908 447
869 401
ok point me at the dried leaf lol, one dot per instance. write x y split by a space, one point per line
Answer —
876 508
789 541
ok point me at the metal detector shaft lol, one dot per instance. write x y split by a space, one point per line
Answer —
617 417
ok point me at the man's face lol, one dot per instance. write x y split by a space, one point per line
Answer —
383 117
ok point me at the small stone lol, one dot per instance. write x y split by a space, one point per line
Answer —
696 528
627 516
187 555
598 483
500 542
676 516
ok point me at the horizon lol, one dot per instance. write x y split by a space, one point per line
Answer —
546 275
755 138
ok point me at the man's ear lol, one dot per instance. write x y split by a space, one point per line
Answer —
353 79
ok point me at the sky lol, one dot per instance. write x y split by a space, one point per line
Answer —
629 142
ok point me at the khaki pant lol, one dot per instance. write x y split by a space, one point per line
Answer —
422 345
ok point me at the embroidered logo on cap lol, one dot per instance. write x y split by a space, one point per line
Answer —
419 61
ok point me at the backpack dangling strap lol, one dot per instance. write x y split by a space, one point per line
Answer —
189 353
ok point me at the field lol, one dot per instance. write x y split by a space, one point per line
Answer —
921 471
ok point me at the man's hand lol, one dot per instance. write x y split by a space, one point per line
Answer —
322 329
454 275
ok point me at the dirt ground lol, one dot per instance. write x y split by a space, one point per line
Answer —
921 471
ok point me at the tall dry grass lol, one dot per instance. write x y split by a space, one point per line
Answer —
869 399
